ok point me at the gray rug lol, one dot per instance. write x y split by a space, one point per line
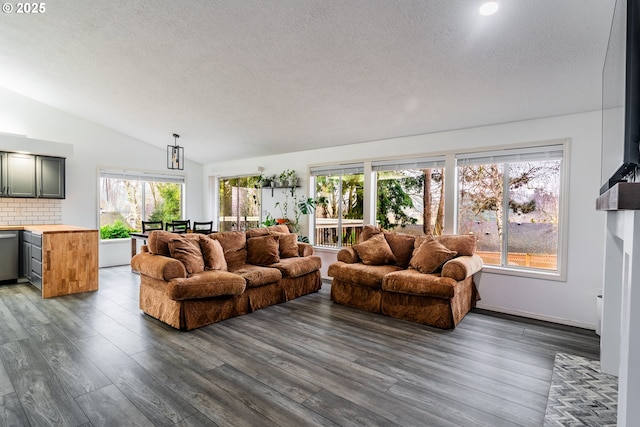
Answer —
580 395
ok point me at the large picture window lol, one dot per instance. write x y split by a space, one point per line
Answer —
410 195
239 203
511 200
340 202
130 198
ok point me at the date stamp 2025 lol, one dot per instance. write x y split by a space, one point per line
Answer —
21 8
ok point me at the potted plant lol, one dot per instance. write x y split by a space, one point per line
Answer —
287 177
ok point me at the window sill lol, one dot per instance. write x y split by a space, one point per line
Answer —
525 272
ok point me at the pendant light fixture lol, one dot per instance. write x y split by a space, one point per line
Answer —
175 154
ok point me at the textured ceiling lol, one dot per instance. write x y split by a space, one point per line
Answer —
240 78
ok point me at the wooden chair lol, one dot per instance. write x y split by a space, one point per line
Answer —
178 226
151 225
204 227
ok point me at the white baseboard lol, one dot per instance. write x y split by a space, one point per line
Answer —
536 316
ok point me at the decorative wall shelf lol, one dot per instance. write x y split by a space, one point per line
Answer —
292 188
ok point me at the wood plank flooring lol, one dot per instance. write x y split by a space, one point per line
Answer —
94 359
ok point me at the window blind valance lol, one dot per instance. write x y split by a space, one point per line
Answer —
403 164
549 152
141 176
345 169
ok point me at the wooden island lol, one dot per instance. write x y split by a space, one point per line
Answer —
60 259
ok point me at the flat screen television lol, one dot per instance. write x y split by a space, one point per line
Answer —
621 97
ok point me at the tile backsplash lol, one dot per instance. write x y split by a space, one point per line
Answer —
30 211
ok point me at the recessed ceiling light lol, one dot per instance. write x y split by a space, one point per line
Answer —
488 8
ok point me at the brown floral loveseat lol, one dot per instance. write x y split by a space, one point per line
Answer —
192 280
425 279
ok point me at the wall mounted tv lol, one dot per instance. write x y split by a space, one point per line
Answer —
621 97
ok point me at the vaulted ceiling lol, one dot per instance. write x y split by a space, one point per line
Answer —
243 78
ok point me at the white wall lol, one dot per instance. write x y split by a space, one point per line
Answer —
572 302
93 146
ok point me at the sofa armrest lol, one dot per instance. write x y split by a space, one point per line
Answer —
305 249
158 266
348 256
462 267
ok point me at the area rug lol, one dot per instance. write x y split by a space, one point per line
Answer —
580 395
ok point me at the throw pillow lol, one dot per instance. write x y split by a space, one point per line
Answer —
158 242
234 244
464 244
368 231
188 252
263 250
375 251
257 232
402 247
212 253
431 256
288 244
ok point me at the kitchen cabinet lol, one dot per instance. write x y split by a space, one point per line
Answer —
50 174
32 258
21 175
28 176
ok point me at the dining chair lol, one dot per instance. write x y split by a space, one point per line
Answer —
151 225
204 227
181 226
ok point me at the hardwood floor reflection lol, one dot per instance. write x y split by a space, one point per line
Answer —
95 359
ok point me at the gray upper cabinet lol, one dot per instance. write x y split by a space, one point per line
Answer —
50 174
21 175
26 175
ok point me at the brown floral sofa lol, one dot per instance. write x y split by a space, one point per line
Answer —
192 280
428 280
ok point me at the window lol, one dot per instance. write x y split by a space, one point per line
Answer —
511 201
239 203
131 198
404 202
340 203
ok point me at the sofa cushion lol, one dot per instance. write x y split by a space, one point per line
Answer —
415 283
288 245
375 251
206 284
369 276
430 256
263 250
256 275
463 244
234 244
212 253
298 266
188 252
369 231
402 247
158 241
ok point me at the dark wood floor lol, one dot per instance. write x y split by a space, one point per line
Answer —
95 359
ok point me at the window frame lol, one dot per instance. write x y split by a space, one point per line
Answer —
414 163
141 175
217 193
342 169
560 274
451 199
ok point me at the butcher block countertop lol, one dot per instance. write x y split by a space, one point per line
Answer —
46 228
